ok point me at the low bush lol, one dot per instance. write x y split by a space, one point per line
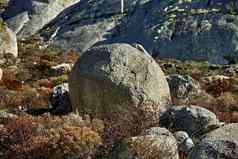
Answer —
49 137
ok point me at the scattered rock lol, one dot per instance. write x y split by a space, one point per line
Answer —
183 88
159 143
221 143
8 42
118 78
185 143
59 100
195 120
60 69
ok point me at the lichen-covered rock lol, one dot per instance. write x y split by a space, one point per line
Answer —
8 42
40 13
195 120
117 78
183 88
219 144
155 143
199 30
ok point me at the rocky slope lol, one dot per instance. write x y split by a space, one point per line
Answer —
77 82
199 30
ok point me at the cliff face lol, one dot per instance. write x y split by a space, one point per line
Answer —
183 29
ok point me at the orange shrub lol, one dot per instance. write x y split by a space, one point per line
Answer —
47 137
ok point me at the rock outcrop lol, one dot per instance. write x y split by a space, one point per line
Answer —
219 144
39 13
117 77
198 30
187 30
88 23
8 43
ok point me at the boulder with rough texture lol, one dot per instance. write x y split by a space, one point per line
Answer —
185 143
8 42
219 144
155 143
183 88
195 120
117 78
40 13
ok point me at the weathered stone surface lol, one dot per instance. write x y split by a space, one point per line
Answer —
89 23
200 30
219 144
40 13
195 120
183 88
17 23
117 77
197 30
185 143
156 143
8 42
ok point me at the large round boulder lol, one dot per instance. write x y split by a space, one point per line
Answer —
195 120
117 78
219 144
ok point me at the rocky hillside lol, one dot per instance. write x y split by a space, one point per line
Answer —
196 29
80 79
